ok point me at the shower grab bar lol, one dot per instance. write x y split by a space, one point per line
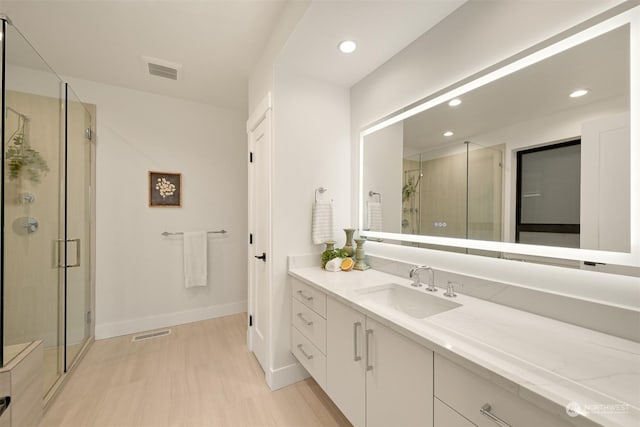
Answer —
180 233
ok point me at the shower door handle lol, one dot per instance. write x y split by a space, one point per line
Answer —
77 264
61 263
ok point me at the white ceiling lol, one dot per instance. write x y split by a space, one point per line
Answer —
217 42
380 28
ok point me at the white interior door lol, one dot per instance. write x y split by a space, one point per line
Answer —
260 235
605 211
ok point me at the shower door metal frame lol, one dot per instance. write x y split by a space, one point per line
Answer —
89 206
3 42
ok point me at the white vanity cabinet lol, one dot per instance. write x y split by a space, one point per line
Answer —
346 363
308 332
467 393
376 376
444 416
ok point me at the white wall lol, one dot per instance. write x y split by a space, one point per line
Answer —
383 174
139 273
477 35
261 80
310 150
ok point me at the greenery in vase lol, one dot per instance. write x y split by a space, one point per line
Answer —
408 189
330 254
24 161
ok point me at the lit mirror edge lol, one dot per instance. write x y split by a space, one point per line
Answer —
631 17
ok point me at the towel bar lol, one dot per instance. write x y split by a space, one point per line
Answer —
319 190
180 233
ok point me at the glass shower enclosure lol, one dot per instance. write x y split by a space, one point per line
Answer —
454 191
46 211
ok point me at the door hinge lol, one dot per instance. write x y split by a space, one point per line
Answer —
88 317
251 238
89 133
250 320
251 157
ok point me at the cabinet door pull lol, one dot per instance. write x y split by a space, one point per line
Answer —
486 411
367 334
305 321
304 296
304 353
356 356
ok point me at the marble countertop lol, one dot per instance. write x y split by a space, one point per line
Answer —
544 361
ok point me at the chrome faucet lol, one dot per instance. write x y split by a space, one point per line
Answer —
413 274
451 292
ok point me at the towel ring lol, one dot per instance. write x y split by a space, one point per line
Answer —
373 193
320 190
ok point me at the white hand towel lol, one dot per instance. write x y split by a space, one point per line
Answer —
195 259
374 216
322 222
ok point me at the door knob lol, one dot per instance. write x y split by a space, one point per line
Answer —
263 257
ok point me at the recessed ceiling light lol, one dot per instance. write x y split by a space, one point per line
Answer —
347 46
448 133
578 93
454 102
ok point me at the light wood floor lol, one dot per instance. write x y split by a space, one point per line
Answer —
200 375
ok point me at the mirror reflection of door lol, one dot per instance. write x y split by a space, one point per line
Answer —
548 195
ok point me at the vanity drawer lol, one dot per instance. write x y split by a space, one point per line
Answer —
467 393
444 416
309 296
310 357
310 324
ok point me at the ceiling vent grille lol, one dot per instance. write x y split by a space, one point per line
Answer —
162 71
161 68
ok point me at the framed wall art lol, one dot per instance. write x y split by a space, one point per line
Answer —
165 189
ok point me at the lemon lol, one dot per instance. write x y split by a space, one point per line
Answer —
347 264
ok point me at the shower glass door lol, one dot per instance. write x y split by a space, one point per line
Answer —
78 216
33 206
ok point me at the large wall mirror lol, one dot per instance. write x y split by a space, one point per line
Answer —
540 157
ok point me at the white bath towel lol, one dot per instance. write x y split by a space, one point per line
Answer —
374 216
322 222
195 259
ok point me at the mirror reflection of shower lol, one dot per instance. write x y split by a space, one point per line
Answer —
411 200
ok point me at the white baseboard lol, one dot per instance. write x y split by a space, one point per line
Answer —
126 327
287 375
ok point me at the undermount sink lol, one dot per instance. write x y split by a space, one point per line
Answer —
413 302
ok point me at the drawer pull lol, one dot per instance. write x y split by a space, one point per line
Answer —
367 334
304 296
308 356
305 321
486 411
356 356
